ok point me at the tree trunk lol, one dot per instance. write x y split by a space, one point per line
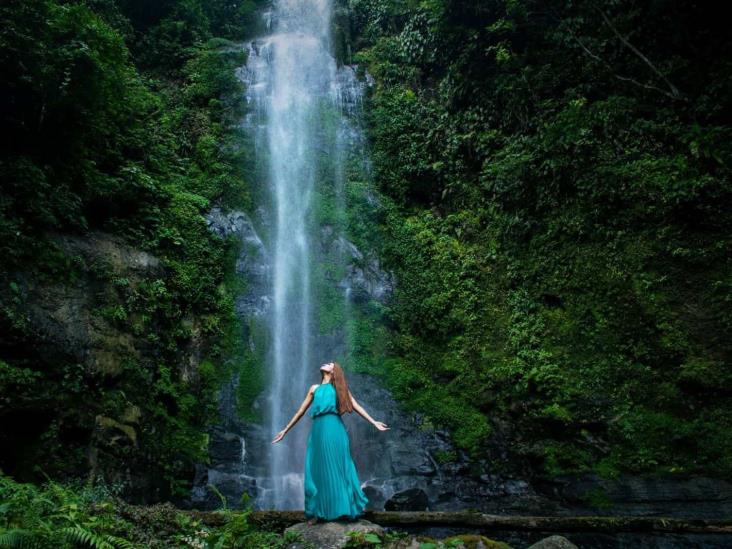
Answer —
471 519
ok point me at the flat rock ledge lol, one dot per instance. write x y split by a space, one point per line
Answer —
330 535
279 520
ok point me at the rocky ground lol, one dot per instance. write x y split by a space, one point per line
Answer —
336 534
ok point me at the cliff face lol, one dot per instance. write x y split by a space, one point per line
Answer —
114 311
84 365
68 319
560 242
416 465
556 223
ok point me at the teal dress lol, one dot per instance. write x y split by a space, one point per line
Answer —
332 488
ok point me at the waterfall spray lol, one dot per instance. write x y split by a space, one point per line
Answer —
292 83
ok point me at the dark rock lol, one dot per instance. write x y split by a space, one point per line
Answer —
413 499
553 542
376 498
224 448
253 263
64 316
71 321
635 495
364 278
110 432
410 462
200 475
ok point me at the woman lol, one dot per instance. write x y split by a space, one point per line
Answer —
332 488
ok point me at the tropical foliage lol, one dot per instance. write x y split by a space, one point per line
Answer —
554 181
118 119
557 178
55 515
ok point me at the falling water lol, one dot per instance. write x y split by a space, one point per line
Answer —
306 283
299 100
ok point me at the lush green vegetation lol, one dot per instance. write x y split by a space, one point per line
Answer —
118 119
67 515
557 182
555 188
55 515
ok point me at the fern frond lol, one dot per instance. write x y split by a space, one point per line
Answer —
219 494
82 536
119 543
19 538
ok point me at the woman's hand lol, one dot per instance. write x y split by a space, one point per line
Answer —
279 436
381 426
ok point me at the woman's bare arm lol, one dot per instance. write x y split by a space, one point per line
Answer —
303 407
356 406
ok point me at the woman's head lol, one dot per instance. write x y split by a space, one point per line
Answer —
338 379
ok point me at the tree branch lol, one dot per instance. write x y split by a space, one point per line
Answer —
674 94
674 90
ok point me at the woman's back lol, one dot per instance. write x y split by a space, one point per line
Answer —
324 400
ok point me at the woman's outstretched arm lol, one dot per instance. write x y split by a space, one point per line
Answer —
298 414
356 406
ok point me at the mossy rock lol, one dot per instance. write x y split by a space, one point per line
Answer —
474 541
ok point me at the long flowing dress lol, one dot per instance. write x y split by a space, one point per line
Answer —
332 488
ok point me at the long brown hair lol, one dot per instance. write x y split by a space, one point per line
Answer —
338 379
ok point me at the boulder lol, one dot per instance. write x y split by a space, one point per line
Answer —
413 499
375 496
553 542
332 534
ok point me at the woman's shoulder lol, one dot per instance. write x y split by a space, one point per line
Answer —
312 388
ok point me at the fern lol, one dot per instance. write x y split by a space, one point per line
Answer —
119 543
20 538
81 536
219 494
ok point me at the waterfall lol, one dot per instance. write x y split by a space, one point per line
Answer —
307 285
299 102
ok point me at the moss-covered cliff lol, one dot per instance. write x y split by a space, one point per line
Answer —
554 191
117 318
557 182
